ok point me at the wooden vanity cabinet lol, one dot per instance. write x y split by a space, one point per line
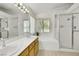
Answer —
32 49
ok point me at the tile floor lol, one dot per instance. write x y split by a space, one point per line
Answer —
57 53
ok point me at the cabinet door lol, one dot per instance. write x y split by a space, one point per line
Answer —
31 52
65 31
36 48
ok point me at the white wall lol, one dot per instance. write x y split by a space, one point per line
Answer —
48 40
75 10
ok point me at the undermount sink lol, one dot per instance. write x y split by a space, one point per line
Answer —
9 50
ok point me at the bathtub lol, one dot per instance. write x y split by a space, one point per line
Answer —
49 44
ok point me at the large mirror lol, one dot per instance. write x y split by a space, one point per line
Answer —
8 27
3 28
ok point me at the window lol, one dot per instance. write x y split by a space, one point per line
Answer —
44 25
29 25
26 26
32 25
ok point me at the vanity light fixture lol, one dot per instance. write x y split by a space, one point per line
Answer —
22 7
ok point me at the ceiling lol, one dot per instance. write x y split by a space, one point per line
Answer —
48 8
9 8
39 9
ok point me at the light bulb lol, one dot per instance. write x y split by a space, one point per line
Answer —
23 7
27 10
20 4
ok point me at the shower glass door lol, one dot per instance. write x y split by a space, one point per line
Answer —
65 31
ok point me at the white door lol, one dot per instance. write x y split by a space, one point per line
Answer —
65 31
76 31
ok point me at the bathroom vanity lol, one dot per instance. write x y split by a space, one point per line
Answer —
31 50
22 46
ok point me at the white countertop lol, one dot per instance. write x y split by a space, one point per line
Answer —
25 42
18 46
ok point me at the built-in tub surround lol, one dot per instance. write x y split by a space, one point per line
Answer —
16 47
49 45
